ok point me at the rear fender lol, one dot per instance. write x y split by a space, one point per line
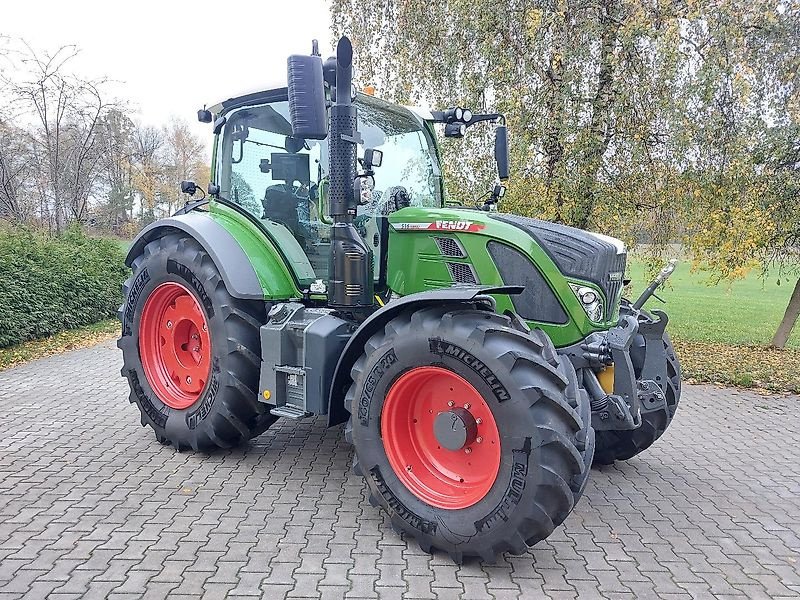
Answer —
337 411
234 264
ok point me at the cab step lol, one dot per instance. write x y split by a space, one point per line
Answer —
290 412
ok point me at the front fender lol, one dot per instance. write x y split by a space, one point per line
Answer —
337 411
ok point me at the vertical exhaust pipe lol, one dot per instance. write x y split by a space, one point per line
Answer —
350 283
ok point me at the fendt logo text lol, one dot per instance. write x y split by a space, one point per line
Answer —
454 225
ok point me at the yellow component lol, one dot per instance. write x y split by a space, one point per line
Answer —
369 90
606 379
378 298
267 394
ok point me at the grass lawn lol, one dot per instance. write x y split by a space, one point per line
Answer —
721 332
744 313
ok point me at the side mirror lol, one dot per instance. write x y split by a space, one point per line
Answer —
501 151
188 187
307 97
204 116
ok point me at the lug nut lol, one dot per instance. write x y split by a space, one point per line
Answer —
196 349
479 439
205 327
408 467
195 336
451 403
188 380
479 420
467 450
468 406
169 324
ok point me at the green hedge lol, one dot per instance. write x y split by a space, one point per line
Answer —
50 284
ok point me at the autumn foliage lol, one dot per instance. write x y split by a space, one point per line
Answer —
670 124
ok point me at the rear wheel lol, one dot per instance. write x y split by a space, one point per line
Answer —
465 431
191 351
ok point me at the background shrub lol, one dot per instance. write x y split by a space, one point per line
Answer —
48 284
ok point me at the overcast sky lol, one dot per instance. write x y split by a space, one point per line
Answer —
172 56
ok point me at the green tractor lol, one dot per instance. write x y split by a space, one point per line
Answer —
480 361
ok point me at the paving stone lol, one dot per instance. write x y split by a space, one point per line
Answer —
91 506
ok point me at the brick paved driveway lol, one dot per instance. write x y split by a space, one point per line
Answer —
92 506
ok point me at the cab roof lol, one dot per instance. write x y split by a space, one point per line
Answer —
280 91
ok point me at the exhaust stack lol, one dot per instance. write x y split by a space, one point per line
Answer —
350 283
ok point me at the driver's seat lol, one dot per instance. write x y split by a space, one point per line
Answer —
280 206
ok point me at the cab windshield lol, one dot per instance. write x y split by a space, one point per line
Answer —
283 180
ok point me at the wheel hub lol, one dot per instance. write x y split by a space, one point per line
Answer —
174 345
440 437
455 428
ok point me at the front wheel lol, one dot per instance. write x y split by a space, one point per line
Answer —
469 432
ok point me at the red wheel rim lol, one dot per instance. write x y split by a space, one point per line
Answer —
174 345
445 478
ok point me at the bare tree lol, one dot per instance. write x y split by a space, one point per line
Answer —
148 145
185 158
65 111
15 173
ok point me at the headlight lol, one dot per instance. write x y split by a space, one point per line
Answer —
590 301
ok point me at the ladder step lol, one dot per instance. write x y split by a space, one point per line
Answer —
289 411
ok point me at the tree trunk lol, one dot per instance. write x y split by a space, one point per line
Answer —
602 121
789 319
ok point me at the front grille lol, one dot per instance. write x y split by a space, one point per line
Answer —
614 287
462 273
450 247
537 302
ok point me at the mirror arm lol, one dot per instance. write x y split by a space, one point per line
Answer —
486 117
439 117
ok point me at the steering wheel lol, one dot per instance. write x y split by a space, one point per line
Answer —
394 198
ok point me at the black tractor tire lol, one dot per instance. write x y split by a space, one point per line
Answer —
226 412
543 428
623 445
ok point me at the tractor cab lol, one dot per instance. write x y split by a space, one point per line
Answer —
283 180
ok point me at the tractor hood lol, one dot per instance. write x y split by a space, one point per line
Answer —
578 254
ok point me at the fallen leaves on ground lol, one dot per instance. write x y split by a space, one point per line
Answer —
60 342
743 366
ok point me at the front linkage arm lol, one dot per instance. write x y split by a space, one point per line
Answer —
632 396
622 408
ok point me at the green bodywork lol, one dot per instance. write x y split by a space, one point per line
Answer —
269 262
415 264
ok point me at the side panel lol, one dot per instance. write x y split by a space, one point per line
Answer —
417 263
